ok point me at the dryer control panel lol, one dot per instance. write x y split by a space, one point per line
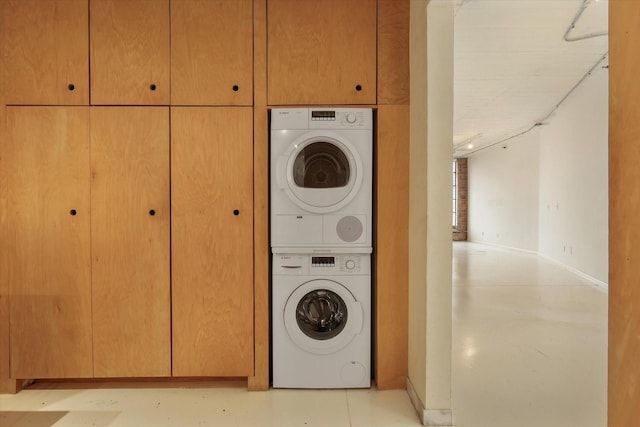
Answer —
322 118
340 118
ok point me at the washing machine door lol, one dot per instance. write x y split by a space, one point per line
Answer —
321 316
320 172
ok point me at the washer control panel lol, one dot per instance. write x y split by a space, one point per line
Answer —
321 265
337 264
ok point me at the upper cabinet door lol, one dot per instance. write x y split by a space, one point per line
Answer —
130 52
130 241
44 47
321 52
211 52
44 240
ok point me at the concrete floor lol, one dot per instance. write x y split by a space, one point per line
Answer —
529 350
529 342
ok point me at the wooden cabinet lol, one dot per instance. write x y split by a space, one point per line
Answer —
321 52
129 52
211 52
130 241
85 241
44 47
212 241
183 52
44 240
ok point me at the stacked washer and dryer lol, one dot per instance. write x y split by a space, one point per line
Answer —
321 239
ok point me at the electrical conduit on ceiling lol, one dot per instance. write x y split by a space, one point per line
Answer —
541 122
584 6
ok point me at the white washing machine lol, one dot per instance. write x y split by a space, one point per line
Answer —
321 321
321 179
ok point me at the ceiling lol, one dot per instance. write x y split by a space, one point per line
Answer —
513 66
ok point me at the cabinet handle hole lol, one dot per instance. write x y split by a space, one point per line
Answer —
236 88
152 87
358 88
73 212
236 212
152 212
72 87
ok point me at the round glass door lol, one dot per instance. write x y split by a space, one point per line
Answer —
321 314
321 165
323 172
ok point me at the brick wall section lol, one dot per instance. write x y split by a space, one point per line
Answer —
460 232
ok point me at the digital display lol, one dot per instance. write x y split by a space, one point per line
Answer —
323 114
323 260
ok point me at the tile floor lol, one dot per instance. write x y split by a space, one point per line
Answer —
204 404
529 350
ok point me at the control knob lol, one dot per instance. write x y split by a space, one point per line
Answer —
351 118
350 264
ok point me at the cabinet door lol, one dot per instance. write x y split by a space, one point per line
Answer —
321 52
130 241
45 51
44 240
211 52
130 52
212 241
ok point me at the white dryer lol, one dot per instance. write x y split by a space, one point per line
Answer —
321 179
321 321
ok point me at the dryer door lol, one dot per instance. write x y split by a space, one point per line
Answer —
322 316
320 172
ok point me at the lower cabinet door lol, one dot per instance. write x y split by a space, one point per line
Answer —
212 241
130 241
44 240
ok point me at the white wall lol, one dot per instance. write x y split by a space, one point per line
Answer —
431 127
417 362
548 191
574 197
440 15
503 193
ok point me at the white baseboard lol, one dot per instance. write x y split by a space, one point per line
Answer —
592 280
429 417
509 248
598 283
